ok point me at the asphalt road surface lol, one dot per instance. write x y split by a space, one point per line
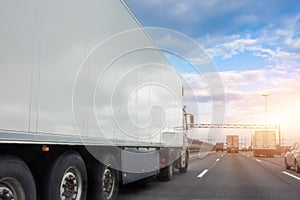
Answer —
222 176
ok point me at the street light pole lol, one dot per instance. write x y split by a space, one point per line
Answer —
265 95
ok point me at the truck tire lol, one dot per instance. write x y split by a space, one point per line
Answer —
297 168
67 178
16 180
286 164
104 179
166 173
170 172
185 168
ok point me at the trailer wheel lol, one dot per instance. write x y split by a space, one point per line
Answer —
297 168
16 180
170 172
104 179
286 164
167 173
185 168
68 178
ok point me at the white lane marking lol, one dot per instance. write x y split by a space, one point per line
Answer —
194 155
202 173
258 160
218 160
248 156
291 175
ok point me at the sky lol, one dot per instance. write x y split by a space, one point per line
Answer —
255 47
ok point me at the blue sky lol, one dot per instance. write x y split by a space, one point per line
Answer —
268 24
255 46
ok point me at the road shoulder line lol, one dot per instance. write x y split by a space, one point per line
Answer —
291 175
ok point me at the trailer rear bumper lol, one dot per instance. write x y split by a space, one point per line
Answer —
264 152
233 149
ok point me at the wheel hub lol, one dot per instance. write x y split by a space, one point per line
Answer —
6 193
108 183
11 189
71 185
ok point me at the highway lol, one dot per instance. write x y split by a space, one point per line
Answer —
222 176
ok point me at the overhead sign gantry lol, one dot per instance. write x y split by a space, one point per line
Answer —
243 126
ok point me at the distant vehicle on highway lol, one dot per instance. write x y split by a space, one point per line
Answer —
232 142
220 146
244 149
264 143
292 157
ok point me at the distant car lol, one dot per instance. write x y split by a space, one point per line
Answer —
292 157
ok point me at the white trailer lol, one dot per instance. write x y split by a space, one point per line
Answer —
88 102
264 143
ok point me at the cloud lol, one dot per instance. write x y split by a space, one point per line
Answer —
229 49
238 78
169 40
216 17
274 55
294 43
247 19
183 15
279 46
206 87
210 40
181 8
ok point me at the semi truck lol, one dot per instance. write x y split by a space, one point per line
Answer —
219 146
88 102
232 142
264 143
